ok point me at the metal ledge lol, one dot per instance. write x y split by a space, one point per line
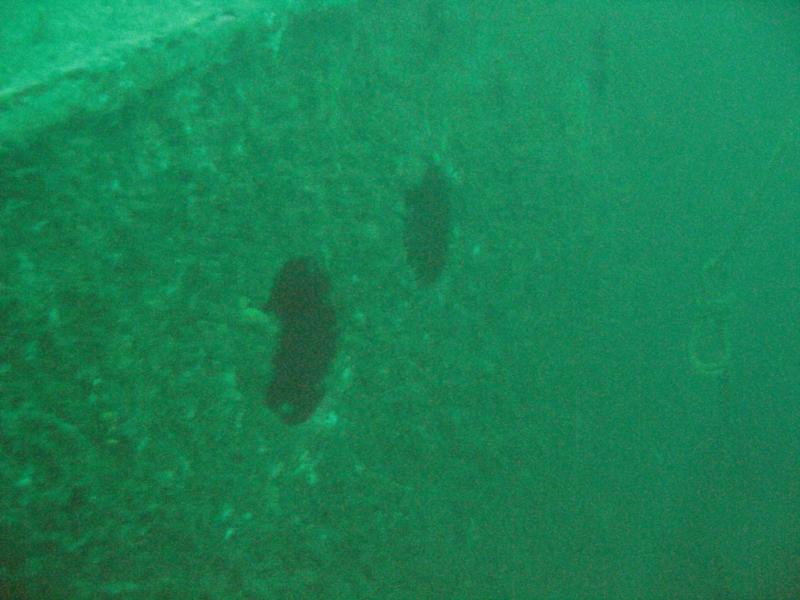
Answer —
108 78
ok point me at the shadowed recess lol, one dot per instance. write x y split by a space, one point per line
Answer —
427 225
307 341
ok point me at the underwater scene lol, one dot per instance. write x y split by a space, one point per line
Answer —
400 299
